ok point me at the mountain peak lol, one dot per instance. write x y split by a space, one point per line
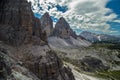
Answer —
46 15
62 23
62 19
46 24
62 29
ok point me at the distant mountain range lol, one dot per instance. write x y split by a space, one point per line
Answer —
93 37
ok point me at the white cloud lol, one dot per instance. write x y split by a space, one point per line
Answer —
117 21
81 14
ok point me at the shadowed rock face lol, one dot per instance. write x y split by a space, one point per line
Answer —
4 68
92 64
17 22
63 30
19 26
46 24
50 67
47 66
19 14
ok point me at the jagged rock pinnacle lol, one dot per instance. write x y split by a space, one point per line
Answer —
47 24
63 30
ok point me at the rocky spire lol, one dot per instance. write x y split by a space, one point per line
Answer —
18 14
47 24
17 21
62 23
63 30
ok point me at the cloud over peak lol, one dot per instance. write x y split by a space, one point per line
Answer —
80 14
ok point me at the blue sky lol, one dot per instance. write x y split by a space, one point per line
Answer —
115 6
99 16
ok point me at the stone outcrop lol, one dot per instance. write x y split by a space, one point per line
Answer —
49 67
19 14
46 24
38 37
92 64
19 26
5 69
17 22
63 30
11 69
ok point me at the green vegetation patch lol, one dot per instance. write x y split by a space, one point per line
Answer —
106 45
109 75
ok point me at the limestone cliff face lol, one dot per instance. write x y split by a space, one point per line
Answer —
17 22
19 26
47 24
63 30
44 65
50 67
19 14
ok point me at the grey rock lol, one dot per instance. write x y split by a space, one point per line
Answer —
50 67
92 64
17 23
63 30
46 24
19 26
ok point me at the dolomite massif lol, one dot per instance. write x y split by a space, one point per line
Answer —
35 49
24 50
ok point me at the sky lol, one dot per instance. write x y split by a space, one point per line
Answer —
99 16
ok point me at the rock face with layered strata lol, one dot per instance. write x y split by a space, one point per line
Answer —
63 30
47 24
44 66
17 22
50 67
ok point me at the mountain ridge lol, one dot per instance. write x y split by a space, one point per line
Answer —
62 29
93 37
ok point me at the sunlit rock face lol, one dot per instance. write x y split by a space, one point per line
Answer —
63 30
47 24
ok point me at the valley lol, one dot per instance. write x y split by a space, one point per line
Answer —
33 48
103 52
